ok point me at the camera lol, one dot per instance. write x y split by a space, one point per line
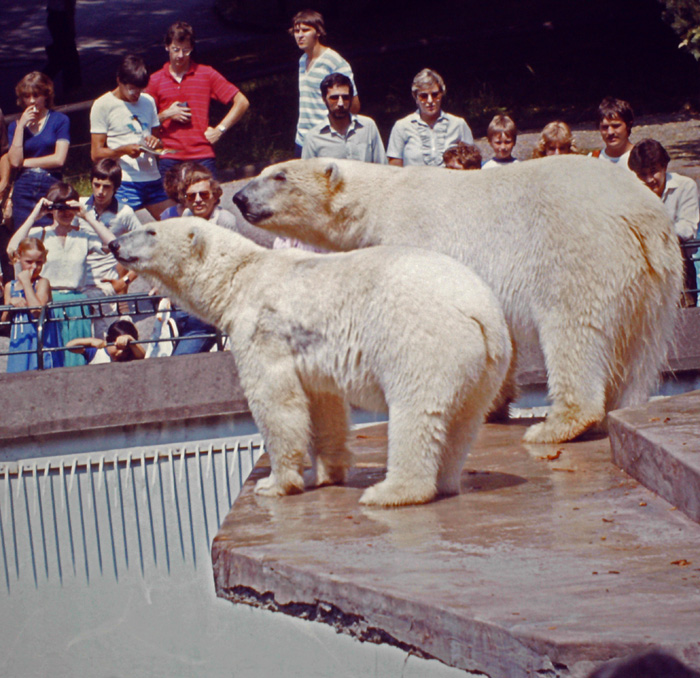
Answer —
59 206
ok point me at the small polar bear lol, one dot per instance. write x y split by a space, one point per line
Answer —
582 257
397 329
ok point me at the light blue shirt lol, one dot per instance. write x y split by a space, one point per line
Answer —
360 142
416 143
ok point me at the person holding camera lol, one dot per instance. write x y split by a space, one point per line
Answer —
67 247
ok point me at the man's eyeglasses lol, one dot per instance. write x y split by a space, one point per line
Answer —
180 50
423 96
192 197
337 97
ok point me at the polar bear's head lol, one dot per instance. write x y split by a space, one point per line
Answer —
305 199
162 248
171 252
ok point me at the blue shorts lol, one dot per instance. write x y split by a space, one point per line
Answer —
138 194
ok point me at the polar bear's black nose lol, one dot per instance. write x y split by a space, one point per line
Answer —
241 201
114 247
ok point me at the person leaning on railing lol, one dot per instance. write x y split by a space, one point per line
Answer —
27 294
67 247
649 161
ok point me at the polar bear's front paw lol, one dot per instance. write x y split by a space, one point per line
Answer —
385 494
559 428
270 487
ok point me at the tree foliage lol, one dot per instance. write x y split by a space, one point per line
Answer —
684 18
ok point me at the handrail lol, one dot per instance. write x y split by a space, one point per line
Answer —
143 304
146 304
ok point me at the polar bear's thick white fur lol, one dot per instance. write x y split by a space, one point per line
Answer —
580 254
388 328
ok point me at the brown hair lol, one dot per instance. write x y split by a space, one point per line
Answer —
200 173
648 155
610 107
467 155
179 32
61 192
312 18
35 83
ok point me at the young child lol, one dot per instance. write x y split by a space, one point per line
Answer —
502 135
556 139
462 157
119 345
32 291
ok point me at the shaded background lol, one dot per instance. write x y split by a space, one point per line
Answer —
535 59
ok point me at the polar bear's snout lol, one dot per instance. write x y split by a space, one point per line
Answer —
249 202
129 248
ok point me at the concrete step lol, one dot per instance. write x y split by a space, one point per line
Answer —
658 444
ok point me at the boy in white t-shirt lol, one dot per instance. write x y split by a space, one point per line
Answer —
502 134
122 126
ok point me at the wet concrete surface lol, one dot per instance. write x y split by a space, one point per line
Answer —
551 560
658 444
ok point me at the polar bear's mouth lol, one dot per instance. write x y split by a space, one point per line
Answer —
120 255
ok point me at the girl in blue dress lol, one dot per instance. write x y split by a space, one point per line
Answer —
27 294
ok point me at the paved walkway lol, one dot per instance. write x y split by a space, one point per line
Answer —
106 30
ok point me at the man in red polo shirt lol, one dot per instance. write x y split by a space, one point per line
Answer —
182 90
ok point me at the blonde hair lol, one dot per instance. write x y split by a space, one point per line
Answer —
502 124
30 245
554 132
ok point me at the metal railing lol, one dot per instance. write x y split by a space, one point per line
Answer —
138 306
147 305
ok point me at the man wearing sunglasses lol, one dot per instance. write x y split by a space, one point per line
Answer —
183 90
343 135
202 196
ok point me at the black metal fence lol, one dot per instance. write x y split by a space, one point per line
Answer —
136 306
140 306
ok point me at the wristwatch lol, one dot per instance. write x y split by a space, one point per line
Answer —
126 280
221 129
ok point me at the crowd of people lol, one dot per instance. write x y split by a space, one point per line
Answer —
153 147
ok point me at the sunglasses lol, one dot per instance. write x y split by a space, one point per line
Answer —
192 197
423 96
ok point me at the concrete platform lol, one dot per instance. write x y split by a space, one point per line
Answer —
658 444
551 561
154 402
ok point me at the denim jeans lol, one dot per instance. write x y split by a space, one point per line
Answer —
189 325
30 186
165 164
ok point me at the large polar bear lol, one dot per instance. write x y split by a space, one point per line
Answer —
395 328
581 255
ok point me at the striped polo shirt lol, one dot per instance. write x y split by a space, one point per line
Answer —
198 87
312 109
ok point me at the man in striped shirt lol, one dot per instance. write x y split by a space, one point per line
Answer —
316 62
183 90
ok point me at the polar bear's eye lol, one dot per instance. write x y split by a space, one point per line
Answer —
280 176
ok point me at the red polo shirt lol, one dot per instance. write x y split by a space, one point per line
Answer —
198 87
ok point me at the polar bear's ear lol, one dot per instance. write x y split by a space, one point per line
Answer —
332 172
197 239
